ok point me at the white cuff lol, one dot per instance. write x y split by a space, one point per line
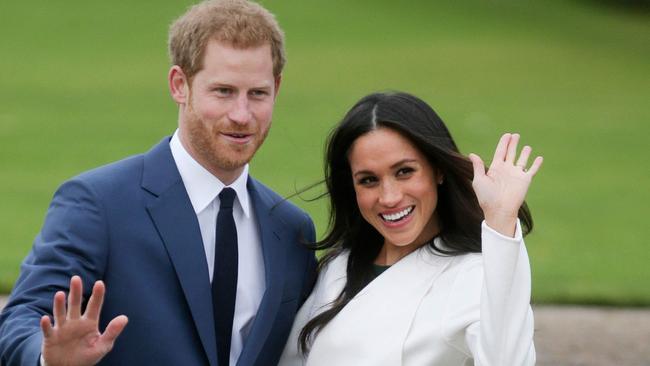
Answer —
516 238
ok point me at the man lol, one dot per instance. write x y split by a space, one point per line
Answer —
205 263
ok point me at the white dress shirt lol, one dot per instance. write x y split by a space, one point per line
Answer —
203 188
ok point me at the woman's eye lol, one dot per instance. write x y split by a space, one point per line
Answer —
405 171
367 181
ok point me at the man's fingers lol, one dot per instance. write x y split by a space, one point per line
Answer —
536 164
58 308
94 306
74 298
477 163
512 148
113 330
46 326
502 148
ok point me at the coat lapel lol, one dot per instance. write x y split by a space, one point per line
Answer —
272 237
172 214
380 316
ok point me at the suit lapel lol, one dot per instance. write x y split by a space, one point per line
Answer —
174 218
272 237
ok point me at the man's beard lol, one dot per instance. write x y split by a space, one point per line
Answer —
213 150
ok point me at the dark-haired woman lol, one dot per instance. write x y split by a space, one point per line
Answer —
426 262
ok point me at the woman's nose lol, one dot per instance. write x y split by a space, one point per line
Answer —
390 194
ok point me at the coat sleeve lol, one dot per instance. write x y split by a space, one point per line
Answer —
503 332
72 241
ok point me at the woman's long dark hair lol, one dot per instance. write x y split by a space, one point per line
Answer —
458 210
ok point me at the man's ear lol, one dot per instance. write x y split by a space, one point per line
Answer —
278 81
178 84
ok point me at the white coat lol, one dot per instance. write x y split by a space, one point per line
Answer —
427 309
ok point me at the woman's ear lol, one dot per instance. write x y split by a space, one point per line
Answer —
440 178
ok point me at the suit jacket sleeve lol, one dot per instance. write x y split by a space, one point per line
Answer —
310 268
72 241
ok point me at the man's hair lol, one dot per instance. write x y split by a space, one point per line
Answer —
238 23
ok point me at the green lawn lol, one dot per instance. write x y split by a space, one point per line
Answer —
83 83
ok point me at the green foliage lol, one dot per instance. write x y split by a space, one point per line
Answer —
84 83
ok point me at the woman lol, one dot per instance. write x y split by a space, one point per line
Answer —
426 262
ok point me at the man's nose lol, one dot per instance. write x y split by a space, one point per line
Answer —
241 112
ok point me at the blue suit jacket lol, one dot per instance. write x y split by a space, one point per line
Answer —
131 224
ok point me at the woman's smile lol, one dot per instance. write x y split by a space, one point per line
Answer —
396 189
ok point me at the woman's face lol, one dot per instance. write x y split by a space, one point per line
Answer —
396 189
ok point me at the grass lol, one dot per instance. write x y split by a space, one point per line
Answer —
83 84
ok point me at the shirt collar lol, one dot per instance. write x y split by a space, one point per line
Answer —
203 187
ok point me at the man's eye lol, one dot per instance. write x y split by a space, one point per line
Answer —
223 91
259 93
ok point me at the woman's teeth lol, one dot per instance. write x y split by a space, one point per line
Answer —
398 215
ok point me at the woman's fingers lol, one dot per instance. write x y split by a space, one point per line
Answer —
522 162
502 148
512 148
536 164
506 151
477 163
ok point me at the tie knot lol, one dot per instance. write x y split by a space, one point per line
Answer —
226 197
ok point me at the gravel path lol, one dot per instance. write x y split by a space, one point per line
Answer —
592 336
586 336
